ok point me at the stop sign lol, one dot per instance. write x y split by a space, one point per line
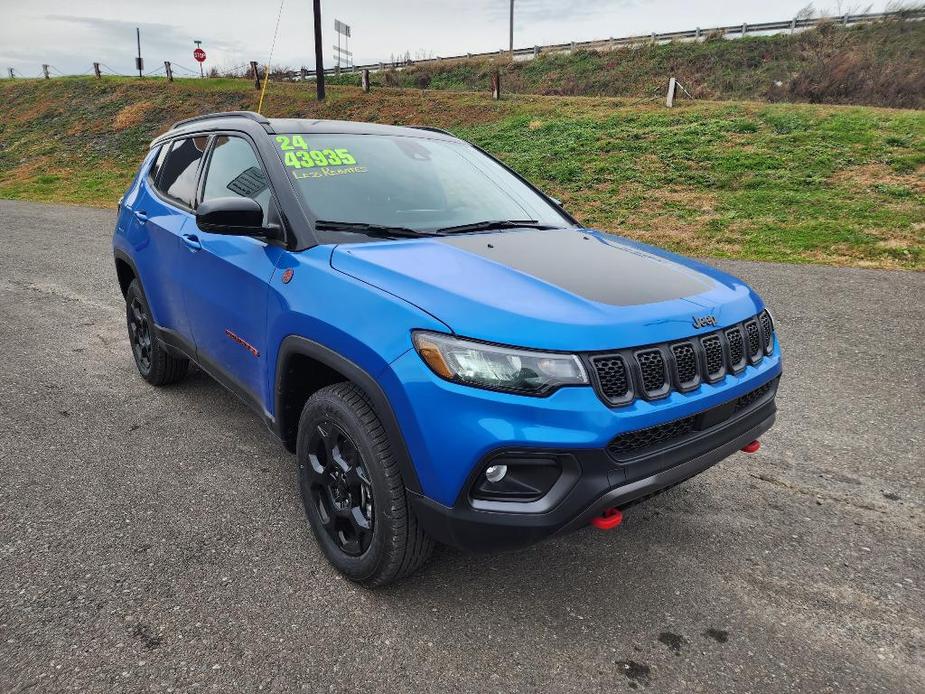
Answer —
199 55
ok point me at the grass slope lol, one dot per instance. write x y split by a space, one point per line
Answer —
794 183
879 64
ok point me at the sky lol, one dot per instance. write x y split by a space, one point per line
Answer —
71 35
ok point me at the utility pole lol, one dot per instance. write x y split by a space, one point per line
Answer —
139 63
319 51
45 71
512 29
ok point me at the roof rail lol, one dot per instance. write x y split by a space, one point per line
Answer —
251 115
433 130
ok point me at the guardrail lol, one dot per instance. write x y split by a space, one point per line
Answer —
731 30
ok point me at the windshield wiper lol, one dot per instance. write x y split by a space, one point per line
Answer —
490 224
380 230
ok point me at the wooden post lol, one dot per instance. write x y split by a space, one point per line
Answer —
256 73
96 71
169 70
496 85
672 88
45 72
364 80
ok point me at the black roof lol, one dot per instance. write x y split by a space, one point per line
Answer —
248 120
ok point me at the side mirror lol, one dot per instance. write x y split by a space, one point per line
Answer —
235 216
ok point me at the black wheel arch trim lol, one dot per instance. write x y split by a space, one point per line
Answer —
120 255
298 345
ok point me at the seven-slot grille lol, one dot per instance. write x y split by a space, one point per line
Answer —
653 372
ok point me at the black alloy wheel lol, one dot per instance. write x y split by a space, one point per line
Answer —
335 481
140 335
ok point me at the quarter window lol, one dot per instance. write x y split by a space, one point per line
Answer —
179 172
158 162
235 171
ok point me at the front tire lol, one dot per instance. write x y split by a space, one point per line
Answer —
155 364
353 492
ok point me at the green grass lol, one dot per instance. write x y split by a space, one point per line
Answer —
793 183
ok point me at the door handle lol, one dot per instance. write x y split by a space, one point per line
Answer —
192 242
141 216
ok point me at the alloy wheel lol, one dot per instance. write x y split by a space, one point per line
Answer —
140 334
336 483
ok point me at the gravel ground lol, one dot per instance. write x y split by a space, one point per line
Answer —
153 539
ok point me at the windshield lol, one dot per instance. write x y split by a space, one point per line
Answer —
413 183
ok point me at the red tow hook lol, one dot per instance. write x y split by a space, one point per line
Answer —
609 518
752 447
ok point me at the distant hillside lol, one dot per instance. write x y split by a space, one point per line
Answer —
879 64
797 183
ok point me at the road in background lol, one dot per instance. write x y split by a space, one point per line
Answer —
155 539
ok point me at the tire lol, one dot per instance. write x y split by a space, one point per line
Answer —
155 364
349 478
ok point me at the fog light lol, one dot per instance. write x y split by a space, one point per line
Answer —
495 473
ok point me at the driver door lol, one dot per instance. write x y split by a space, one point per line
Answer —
226 277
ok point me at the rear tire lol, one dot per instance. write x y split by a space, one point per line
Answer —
353 492
155 364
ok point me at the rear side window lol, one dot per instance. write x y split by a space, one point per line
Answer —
179 172
234 170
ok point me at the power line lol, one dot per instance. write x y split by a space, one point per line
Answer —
266 76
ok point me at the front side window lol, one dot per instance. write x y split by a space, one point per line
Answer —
412 182
179 172
234 170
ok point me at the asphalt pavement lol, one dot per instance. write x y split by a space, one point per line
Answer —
154 539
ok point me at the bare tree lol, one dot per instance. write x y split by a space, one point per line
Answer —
808 12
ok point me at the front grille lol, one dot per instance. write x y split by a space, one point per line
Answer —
629 445
613 378
767 330
716 361
686 361
654 374
753 335
637 440
736 348
653 371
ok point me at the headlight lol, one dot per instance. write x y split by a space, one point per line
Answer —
496 367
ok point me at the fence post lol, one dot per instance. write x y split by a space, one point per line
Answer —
793 25
364 80
169 70
697 33
256 73
744 28
845 19
672 88
496 85
96 71
536 51
12 76
45 72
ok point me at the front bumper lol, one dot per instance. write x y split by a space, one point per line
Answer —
601 482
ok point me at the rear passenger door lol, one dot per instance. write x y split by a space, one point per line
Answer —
165 210
226 277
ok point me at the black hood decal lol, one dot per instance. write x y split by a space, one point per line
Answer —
587 266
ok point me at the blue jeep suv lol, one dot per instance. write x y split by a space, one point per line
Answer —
449 354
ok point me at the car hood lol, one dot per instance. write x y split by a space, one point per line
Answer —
562 289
